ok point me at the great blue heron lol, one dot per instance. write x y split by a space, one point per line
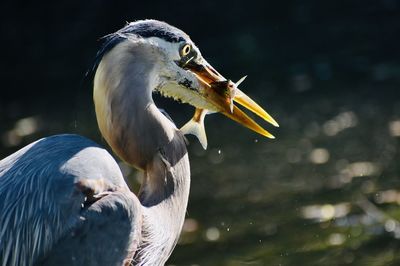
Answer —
63 199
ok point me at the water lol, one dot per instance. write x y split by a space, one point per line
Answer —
325 192
311 197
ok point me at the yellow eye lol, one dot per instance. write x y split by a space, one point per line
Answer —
186 49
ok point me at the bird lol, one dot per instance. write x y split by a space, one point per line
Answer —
63 198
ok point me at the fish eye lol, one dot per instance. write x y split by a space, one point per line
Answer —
186 49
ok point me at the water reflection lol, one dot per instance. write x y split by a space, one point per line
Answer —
317 197
339 123
319 156
325 212
394 128
22 128
325 192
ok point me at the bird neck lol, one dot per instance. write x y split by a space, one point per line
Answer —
126 114
143 137
164 196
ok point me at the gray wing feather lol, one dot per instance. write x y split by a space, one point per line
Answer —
107 235
41 199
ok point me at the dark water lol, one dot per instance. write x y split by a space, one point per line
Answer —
325 192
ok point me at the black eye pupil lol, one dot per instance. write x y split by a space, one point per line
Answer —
186 49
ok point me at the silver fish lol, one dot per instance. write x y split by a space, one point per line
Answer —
195 125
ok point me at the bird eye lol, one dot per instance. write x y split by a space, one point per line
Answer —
186 49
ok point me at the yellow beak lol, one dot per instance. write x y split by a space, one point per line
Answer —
222 93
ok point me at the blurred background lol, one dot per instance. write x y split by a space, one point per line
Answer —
325 192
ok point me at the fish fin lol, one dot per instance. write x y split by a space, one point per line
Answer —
240 81
197 129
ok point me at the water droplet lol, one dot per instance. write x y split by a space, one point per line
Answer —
390 225
319 156
327 212
336 239
394 128
216 156
212 234
190 225
26 126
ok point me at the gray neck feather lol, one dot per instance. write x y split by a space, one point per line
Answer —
142 136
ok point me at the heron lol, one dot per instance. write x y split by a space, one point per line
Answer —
63 198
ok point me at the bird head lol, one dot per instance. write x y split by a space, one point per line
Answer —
180 72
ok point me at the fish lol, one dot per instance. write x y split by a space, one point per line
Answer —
195 125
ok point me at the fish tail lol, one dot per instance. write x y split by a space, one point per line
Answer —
197 129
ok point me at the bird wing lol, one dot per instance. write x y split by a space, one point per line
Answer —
107 235
63 201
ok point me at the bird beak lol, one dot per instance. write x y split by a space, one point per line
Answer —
222 93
